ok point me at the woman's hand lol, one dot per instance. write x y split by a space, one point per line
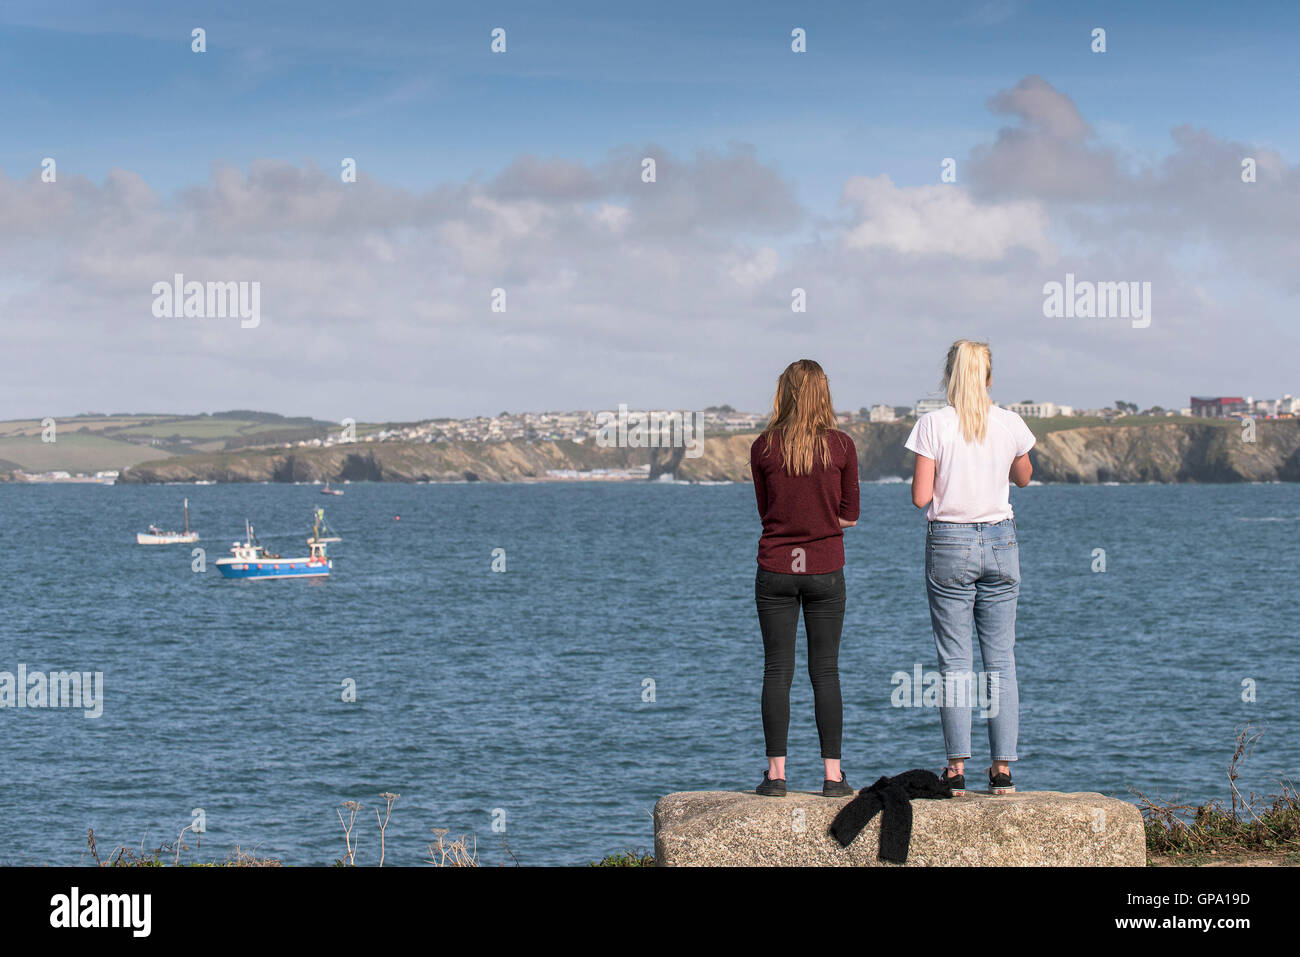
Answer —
844 524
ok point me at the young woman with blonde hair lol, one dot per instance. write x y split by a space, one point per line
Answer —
967 454
806 483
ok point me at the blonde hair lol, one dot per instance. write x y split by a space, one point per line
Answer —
966 378
802 412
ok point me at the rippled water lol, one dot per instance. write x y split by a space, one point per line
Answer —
518 696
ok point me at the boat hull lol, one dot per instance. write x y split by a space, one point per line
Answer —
274 568
143 538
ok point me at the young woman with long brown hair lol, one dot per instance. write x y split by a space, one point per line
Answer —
806 483
967 455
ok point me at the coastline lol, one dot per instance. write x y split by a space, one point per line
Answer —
1213 452
1140 454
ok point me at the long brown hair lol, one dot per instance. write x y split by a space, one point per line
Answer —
804 415
966 378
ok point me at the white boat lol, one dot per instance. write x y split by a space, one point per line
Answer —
331 491
156 536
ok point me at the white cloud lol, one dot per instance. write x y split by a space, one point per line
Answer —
942 221
752 270
668 293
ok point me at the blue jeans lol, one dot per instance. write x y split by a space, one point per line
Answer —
972 577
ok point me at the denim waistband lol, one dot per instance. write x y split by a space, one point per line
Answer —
932 527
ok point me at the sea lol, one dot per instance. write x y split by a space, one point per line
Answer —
531 666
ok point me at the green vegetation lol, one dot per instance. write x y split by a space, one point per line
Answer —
442 851
94 442
625 859
74 452
1248 828
123 856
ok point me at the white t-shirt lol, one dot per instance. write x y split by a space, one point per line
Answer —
971 479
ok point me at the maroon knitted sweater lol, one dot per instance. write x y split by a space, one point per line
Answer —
800 513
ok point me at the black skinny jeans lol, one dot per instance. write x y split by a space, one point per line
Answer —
778 597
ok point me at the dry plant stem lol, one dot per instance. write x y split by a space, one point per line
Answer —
180 845
444 853
352 807
1245 745
506 847
389 798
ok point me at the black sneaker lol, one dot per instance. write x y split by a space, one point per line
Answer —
1000 783
956 781
837 789
770 788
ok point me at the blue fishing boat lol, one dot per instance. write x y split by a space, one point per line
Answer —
250 559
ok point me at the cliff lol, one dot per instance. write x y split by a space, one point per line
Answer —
1150 452
1175 452
397 462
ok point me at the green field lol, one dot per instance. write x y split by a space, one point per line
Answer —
92 443
74 452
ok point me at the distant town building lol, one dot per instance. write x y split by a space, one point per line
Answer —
1219 407
929 405
882 413
1285 407
1035 410
733 421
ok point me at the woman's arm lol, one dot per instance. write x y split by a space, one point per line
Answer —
849 501
922 481
760 484
1021 470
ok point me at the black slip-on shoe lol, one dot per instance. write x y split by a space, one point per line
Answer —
955 781
837 789
770 788
1000 783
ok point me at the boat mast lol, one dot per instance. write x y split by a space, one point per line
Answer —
187 516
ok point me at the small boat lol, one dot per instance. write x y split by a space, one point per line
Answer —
331 491
156 536
250 559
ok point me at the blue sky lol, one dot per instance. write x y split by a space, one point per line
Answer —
412 91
